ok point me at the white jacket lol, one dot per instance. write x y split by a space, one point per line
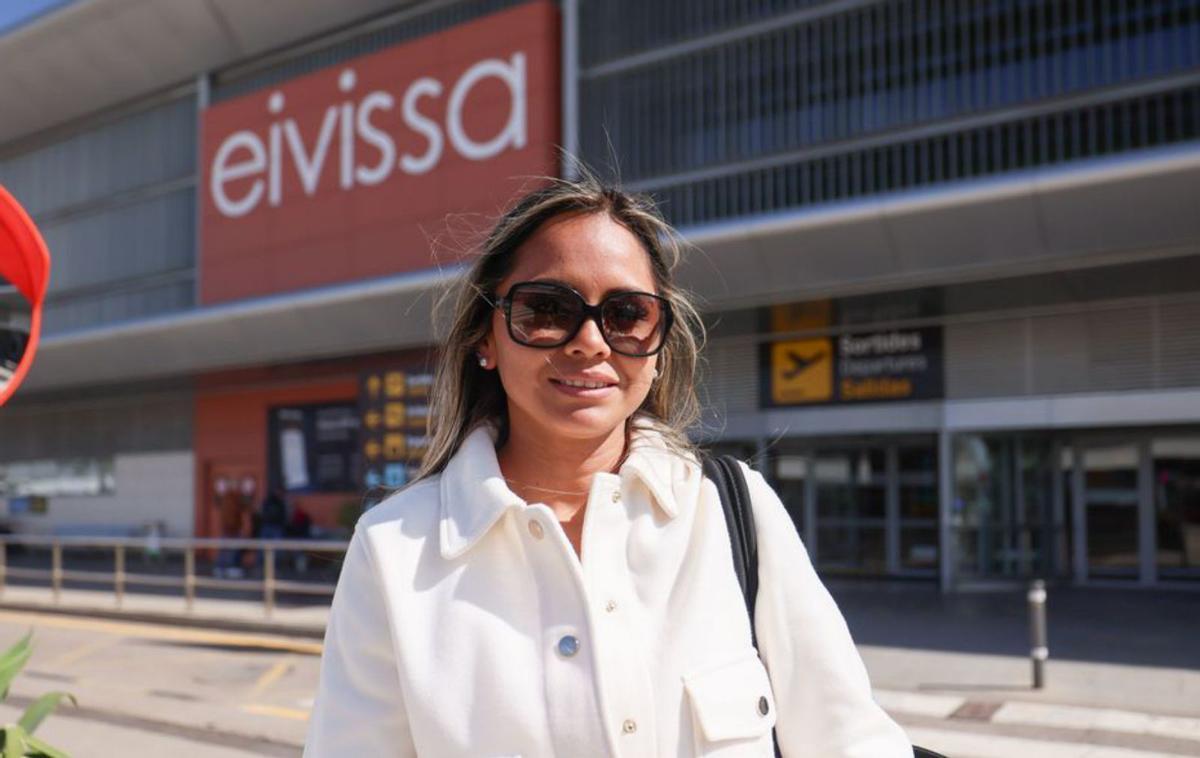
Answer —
464 624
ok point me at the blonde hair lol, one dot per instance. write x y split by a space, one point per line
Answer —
464 395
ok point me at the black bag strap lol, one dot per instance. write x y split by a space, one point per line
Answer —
725 472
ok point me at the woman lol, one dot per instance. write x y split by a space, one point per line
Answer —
558 580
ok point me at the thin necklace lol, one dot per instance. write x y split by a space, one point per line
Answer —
621 460
546 489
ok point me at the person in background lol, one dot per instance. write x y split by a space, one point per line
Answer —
233 512
299 527
272 518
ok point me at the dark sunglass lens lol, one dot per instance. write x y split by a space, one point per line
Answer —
633 323
543 316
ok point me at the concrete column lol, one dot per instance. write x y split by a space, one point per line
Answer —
1147 531
1079 514
946 552
892 508
570 88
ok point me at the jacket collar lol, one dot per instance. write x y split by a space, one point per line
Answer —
474 494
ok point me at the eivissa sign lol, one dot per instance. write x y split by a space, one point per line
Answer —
246 155
344 173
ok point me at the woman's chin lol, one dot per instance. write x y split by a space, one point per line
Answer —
586 423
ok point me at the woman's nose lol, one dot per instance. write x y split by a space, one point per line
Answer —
588 340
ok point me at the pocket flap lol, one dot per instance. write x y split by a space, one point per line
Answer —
732 700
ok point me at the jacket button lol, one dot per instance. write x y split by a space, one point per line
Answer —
629 727
610 606
568 646
763 706
535 528
616 496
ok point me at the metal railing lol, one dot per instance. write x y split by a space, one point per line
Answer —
120 578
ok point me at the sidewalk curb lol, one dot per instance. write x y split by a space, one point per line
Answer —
173 619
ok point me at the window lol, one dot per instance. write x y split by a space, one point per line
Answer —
313 448
49 478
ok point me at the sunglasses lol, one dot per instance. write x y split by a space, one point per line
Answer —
543 314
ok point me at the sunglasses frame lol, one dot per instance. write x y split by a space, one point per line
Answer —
587 311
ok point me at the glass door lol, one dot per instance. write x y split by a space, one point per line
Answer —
790 469
1177 506
851 504
917 492
1110 510
1008 525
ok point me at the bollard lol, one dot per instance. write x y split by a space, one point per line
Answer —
1038 650
119 574
56 571
269 581
189 578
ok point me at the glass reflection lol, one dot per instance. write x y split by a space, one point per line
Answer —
1110 489
851 491
1177 506
15 314
1005 518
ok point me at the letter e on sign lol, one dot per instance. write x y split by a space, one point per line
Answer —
223 172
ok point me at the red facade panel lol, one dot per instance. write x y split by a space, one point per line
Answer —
346 173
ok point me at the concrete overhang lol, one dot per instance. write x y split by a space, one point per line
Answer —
1107 211
380 314
1114 210
91 55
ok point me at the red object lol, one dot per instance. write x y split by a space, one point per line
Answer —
25 262
356 170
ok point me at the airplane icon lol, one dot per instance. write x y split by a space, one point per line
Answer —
801 363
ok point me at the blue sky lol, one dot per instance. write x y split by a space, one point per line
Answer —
14 13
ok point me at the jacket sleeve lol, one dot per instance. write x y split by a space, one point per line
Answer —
822 693
358 709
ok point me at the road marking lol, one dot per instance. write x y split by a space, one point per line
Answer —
153 631
294 714
271 675
81 652
1107 719
988 745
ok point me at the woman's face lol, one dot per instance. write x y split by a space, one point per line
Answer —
595 256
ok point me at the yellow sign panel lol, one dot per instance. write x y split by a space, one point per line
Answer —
802 371
394 415
373 385
394 384
372 449
394 446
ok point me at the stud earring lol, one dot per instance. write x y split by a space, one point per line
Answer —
654 375
482 362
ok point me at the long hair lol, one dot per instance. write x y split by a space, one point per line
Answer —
464 395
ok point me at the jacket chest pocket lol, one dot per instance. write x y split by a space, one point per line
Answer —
733 708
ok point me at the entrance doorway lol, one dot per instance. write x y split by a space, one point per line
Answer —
1109 504
1138 500
1008 510
865 506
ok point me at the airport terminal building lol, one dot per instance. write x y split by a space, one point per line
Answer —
949 252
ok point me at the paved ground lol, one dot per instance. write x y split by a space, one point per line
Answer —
1123 680
153 689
